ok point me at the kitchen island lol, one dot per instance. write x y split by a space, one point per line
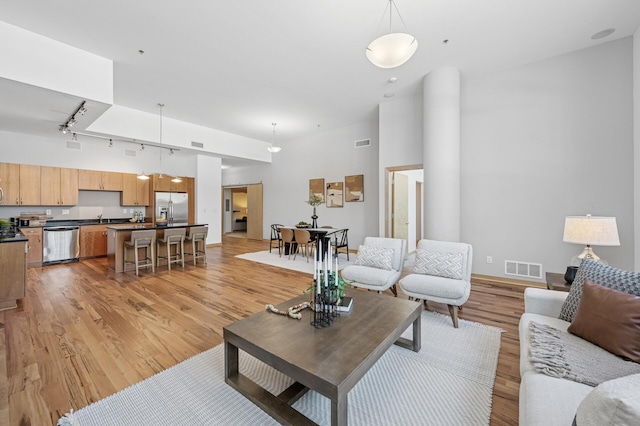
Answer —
13 267
118 234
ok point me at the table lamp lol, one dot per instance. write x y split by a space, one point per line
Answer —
590 230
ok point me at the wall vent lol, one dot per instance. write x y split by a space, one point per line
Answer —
197 144
129 153
523 269
362 143
73 145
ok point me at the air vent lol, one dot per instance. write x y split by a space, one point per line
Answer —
523 269
362 143
197 144
73 145
130 153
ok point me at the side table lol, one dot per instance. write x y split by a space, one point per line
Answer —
556 282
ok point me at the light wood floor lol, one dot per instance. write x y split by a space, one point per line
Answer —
83 333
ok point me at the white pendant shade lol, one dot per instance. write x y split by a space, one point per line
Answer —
392 50
274 149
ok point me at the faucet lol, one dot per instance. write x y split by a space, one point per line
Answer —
100 218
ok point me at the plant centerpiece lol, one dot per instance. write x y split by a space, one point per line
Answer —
315 200
302 224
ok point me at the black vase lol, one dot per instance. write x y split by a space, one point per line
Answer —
570 274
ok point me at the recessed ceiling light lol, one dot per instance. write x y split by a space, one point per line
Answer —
393 80
603 34
445 41
389 95
140 51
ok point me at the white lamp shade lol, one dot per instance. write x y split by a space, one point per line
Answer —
274 148
392 50
591 230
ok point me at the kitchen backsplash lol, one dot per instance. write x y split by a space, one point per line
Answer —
90 205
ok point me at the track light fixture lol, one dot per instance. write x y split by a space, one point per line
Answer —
74 137
171 151
72 121
110 143
141 147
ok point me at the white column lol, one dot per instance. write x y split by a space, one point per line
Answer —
209 195
441 154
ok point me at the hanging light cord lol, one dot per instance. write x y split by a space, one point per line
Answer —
391 2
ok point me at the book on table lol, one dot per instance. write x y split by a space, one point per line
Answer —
346 304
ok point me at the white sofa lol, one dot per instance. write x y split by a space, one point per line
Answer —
545 400
548 401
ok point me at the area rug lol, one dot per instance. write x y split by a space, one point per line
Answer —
449 382
299 264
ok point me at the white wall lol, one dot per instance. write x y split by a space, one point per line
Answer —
330 155
539 142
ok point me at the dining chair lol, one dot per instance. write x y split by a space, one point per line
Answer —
287 240
275 236
340 240
304 241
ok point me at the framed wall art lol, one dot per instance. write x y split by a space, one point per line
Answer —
334 194
316 187
354 188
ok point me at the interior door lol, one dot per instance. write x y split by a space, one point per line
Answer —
254 211
400 206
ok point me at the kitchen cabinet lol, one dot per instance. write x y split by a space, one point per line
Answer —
58 186
135 192
13 279
34 247
20 184
97 180
165 184
93 241
10 184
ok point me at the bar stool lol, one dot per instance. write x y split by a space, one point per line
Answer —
141 239
198 234
172 237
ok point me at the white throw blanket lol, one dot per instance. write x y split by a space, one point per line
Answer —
559 354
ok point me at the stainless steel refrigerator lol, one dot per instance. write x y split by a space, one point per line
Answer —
173 206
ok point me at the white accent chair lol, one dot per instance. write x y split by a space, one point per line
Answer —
373 278
442 274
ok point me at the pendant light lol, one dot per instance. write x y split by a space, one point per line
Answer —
160 176
393 49
274 148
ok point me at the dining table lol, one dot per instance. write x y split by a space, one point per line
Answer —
319 234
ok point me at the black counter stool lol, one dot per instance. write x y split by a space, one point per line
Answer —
140 239
197 235
172 237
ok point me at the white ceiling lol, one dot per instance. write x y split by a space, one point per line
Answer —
238 66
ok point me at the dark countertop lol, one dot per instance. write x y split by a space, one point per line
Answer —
18 238
81 222
140 226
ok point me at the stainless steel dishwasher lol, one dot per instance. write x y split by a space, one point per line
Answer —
60 244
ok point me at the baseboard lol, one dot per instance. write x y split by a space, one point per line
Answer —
488 279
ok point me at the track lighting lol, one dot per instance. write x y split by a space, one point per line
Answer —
110 143
72 121
141 147
171 151
74 137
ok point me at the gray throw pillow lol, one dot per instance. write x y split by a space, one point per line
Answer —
447 265
375 257
604 275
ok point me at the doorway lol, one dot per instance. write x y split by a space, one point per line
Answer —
242 207
403 204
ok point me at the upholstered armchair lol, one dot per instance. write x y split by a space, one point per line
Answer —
442 273
378 265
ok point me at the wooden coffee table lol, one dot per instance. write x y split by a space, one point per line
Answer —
329 360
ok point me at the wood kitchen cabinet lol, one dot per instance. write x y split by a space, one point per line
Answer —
10 184
13 279
34 247
97 180
165 184
135 192
20 184
93 241
58 186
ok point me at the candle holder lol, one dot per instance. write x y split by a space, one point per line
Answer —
324 302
